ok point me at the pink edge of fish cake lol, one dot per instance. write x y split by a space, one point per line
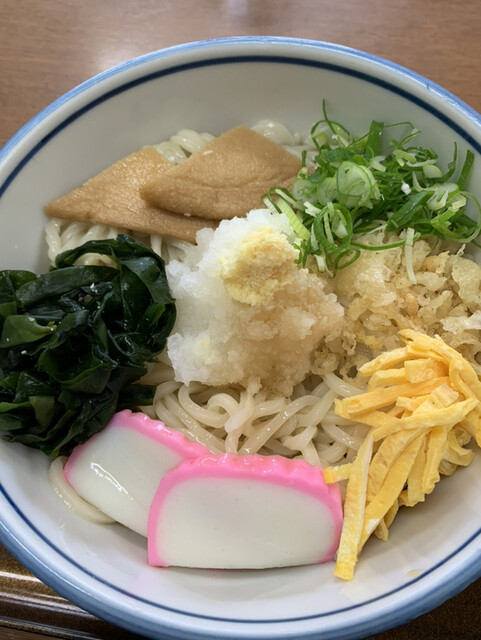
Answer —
286 478
169 447
154 429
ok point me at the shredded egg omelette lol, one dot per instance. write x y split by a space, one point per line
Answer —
423 408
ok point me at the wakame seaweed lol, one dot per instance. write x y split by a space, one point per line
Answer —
75 340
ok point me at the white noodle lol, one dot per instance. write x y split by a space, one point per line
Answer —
341 387
181 145
231 420
70 497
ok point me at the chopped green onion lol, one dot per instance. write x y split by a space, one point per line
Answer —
408 254
374 137
366 185
356 185
301 231
432 171
465 171
403 216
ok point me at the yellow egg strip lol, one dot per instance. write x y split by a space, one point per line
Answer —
337 473
414 492
390 490
456 454
416 351
396 412
389 451
463 380
447 468
386 378
437 446
420 340
462 436
423 405
379 398
423 369
444 396
386 360
425 419
472 424
411 404
429 415
382 531
391 514
353 512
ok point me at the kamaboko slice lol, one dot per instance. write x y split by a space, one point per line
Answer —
119 469
244 512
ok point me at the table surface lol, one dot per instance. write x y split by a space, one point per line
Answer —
48 47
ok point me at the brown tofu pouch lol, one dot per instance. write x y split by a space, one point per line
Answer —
227 178
113 198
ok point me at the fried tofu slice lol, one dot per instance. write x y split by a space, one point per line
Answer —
225 179
113 198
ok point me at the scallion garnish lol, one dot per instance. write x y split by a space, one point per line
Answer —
363 185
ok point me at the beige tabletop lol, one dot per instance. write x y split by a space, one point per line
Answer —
49 46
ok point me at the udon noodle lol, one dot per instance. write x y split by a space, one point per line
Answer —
236 420
70 497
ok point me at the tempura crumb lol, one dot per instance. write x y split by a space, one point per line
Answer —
380 300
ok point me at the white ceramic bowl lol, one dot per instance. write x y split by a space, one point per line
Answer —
434 550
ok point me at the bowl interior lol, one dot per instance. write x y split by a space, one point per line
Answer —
433 550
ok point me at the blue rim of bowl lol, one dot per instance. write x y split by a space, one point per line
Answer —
395 616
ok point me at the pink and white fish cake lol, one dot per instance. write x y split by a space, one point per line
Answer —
243 512
119 469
